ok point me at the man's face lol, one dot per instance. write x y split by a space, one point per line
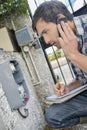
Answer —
48 30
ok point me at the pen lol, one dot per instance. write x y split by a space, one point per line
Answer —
59 84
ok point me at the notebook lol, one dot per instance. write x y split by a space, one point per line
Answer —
59 99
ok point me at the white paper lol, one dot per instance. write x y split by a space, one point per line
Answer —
53 97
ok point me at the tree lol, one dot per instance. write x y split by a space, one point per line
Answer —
11 7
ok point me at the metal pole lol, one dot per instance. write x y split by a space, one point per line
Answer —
84 2
59 65
70 3
36 3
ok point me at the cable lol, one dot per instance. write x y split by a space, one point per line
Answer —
23 112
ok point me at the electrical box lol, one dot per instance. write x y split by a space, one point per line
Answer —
23 36
13 83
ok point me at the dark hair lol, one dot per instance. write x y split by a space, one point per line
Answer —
49 11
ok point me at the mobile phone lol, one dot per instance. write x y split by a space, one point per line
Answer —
59 20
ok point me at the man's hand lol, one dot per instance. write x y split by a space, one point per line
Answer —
69 44
66 88
68 40
63 89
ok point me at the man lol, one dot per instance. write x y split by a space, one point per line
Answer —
71 36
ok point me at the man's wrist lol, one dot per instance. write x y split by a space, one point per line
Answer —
73 57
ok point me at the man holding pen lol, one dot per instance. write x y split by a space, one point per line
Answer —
70 34
59 89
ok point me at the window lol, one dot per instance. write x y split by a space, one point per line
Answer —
78 4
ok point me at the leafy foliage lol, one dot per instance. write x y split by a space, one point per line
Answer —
52 57
8 7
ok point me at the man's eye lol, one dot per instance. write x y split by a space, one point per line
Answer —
45 32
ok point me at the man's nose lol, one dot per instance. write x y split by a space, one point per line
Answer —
47 39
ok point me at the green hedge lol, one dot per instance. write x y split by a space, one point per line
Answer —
52 56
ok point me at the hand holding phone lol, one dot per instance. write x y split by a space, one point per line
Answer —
59 20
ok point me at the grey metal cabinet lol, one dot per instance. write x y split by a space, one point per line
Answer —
14 84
